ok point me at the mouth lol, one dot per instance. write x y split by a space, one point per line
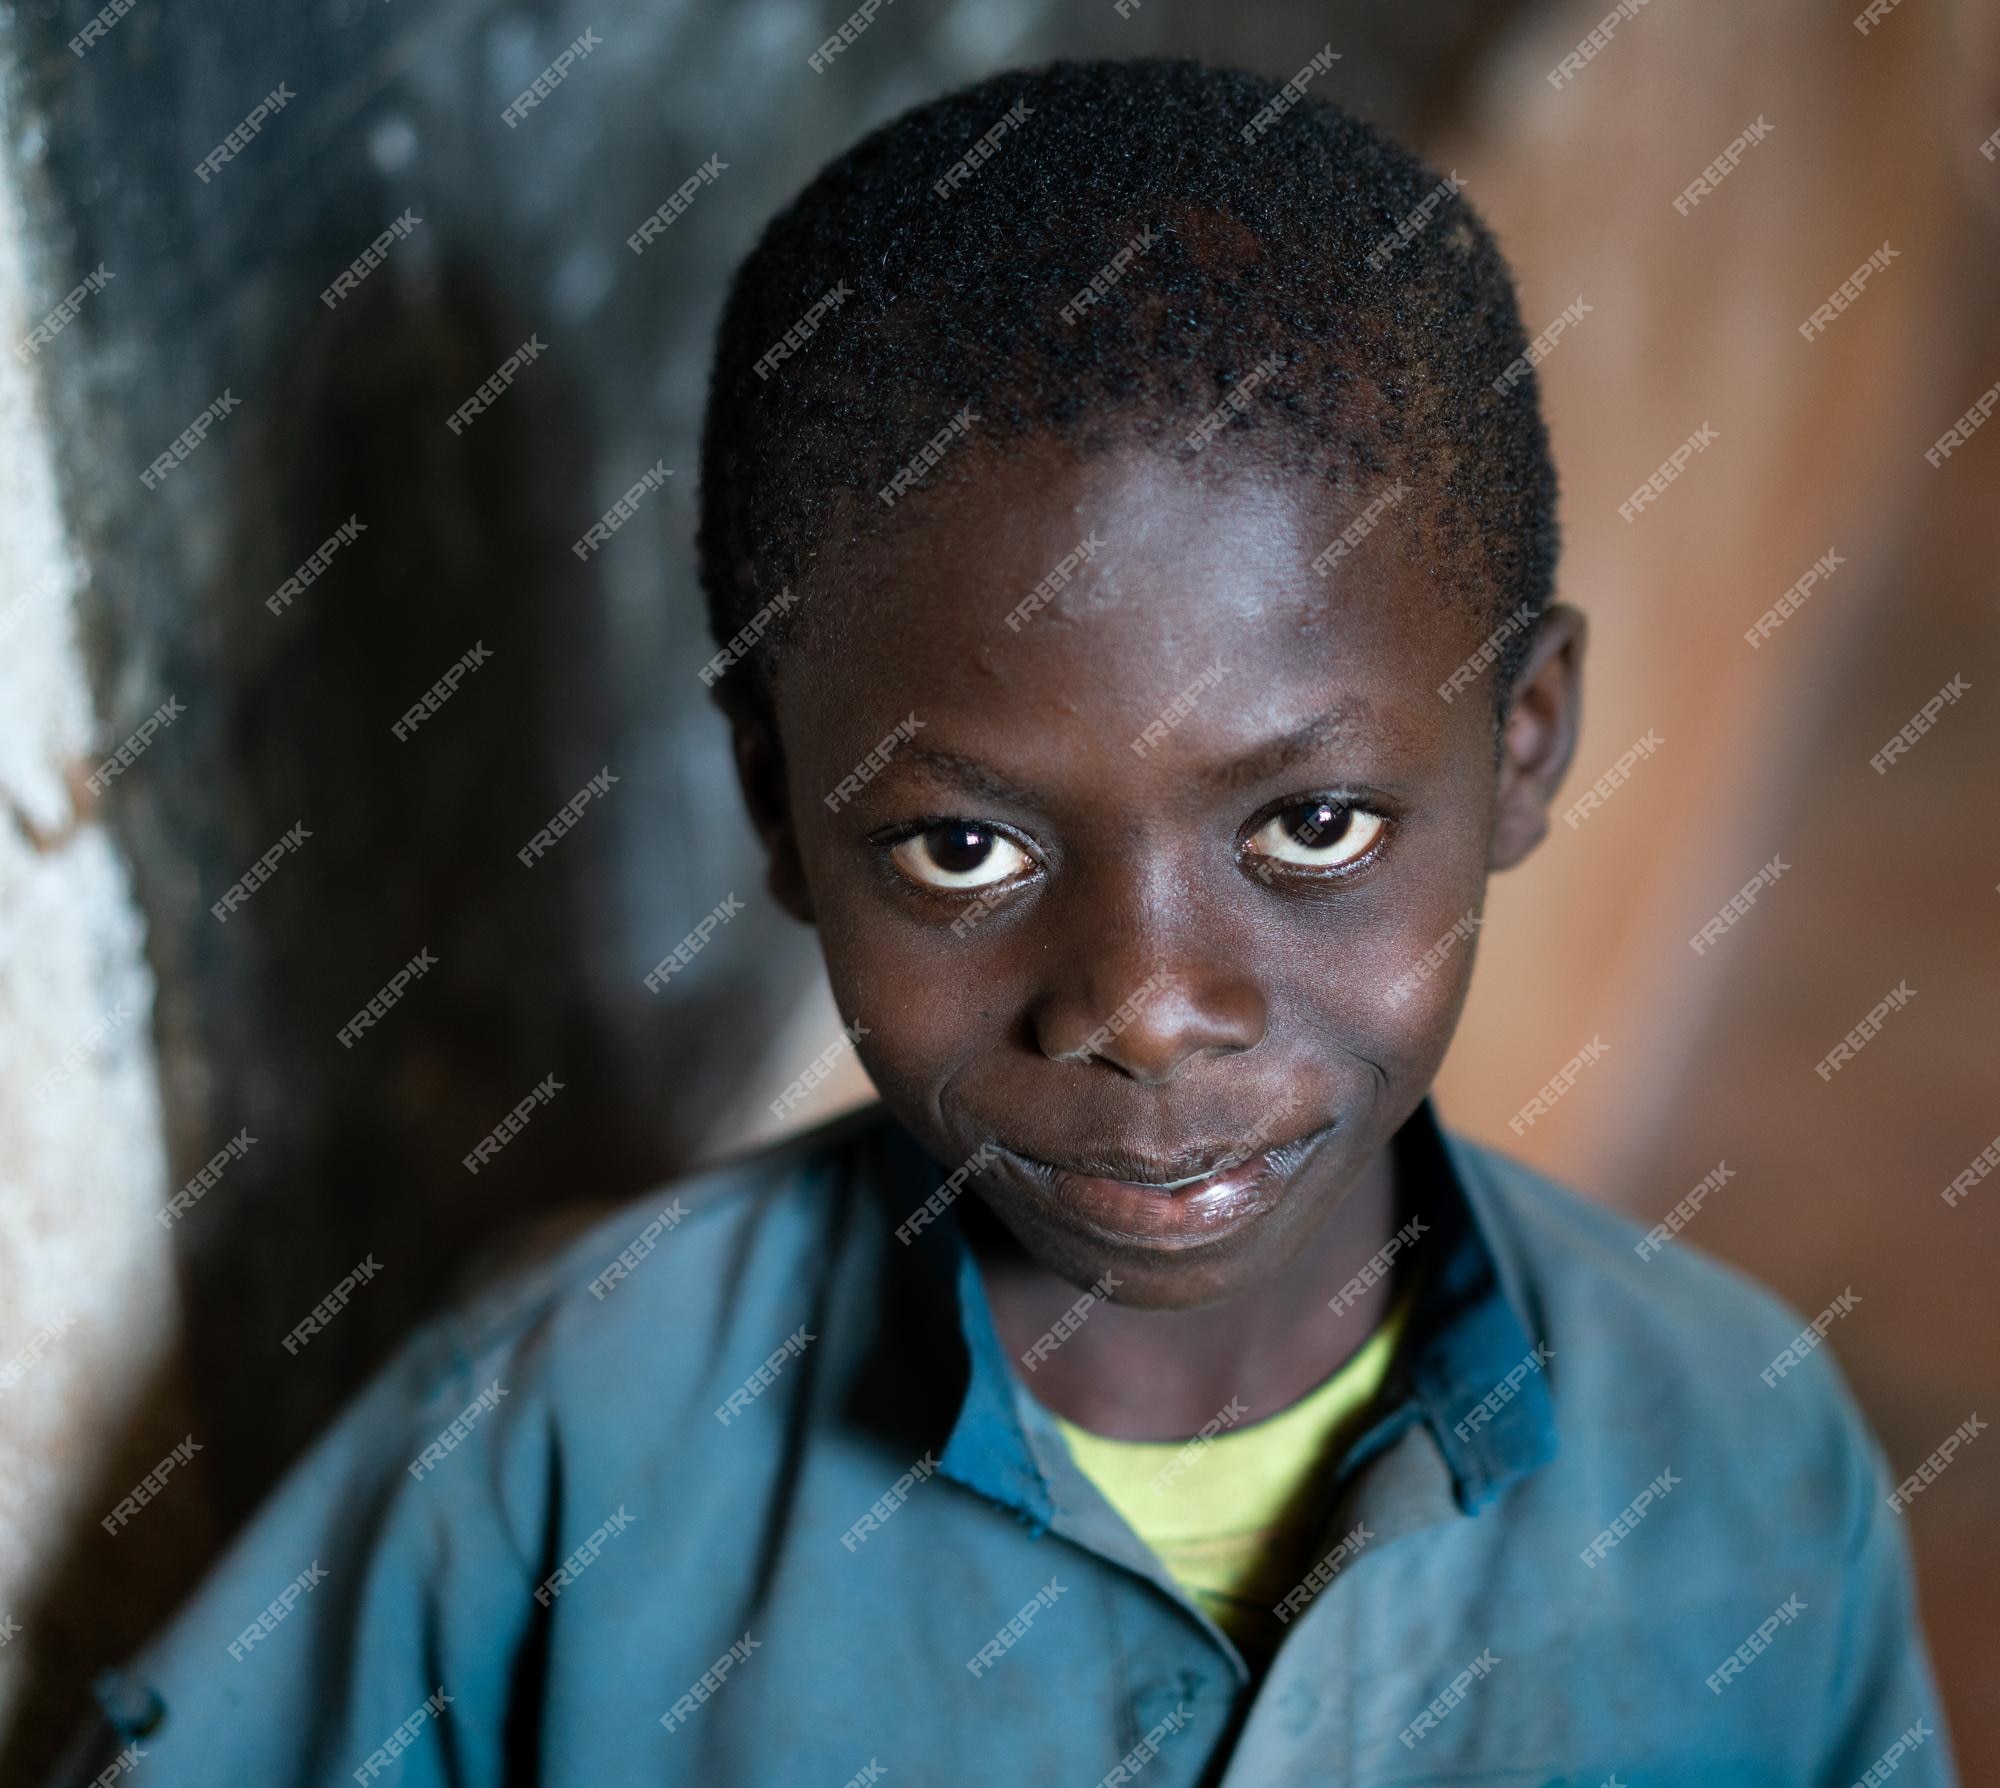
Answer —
1156 1203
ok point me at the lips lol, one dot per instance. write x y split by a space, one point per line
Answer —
1192 1197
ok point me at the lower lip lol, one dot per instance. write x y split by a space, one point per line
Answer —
1188 1216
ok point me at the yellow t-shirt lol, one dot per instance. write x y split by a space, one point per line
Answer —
1231 1517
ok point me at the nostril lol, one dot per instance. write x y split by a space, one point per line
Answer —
1163 1023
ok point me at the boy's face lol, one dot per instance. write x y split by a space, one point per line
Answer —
1151 883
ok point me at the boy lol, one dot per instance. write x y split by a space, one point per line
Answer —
1133 602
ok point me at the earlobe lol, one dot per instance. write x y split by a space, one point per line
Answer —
1539 737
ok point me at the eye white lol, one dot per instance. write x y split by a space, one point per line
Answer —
962 854
1318 835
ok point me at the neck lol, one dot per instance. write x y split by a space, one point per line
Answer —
1159 1375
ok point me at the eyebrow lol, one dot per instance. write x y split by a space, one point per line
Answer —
1256 765
1266 760
969 773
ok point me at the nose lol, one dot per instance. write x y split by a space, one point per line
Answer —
1146 978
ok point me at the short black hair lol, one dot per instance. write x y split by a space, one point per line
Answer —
1290 252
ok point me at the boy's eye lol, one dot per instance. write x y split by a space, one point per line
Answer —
1318 835
960 854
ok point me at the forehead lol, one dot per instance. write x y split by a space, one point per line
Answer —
1070 601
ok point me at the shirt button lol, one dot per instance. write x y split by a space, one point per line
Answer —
133 1707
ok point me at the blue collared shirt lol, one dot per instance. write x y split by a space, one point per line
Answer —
740 1490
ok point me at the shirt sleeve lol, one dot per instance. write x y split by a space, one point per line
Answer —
365 1626
1885 1715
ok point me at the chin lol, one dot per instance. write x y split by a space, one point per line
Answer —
1150 1274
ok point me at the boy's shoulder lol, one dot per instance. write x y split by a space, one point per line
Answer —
586 1369
1647 1287
1660 1351
685 1259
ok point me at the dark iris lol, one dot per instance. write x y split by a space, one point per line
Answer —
1321 823
958 849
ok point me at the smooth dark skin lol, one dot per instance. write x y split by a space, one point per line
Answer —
1276 1011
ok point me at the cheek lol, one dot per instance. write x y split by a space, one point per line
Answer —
1379 986
1426 969
1417 1006
1385 971
928 1004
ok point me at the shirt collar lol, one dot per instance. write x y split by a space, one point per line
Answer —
1469 1369
1475 1368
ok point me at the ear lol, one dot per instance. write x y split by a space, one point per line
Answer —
760 774
1539 737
